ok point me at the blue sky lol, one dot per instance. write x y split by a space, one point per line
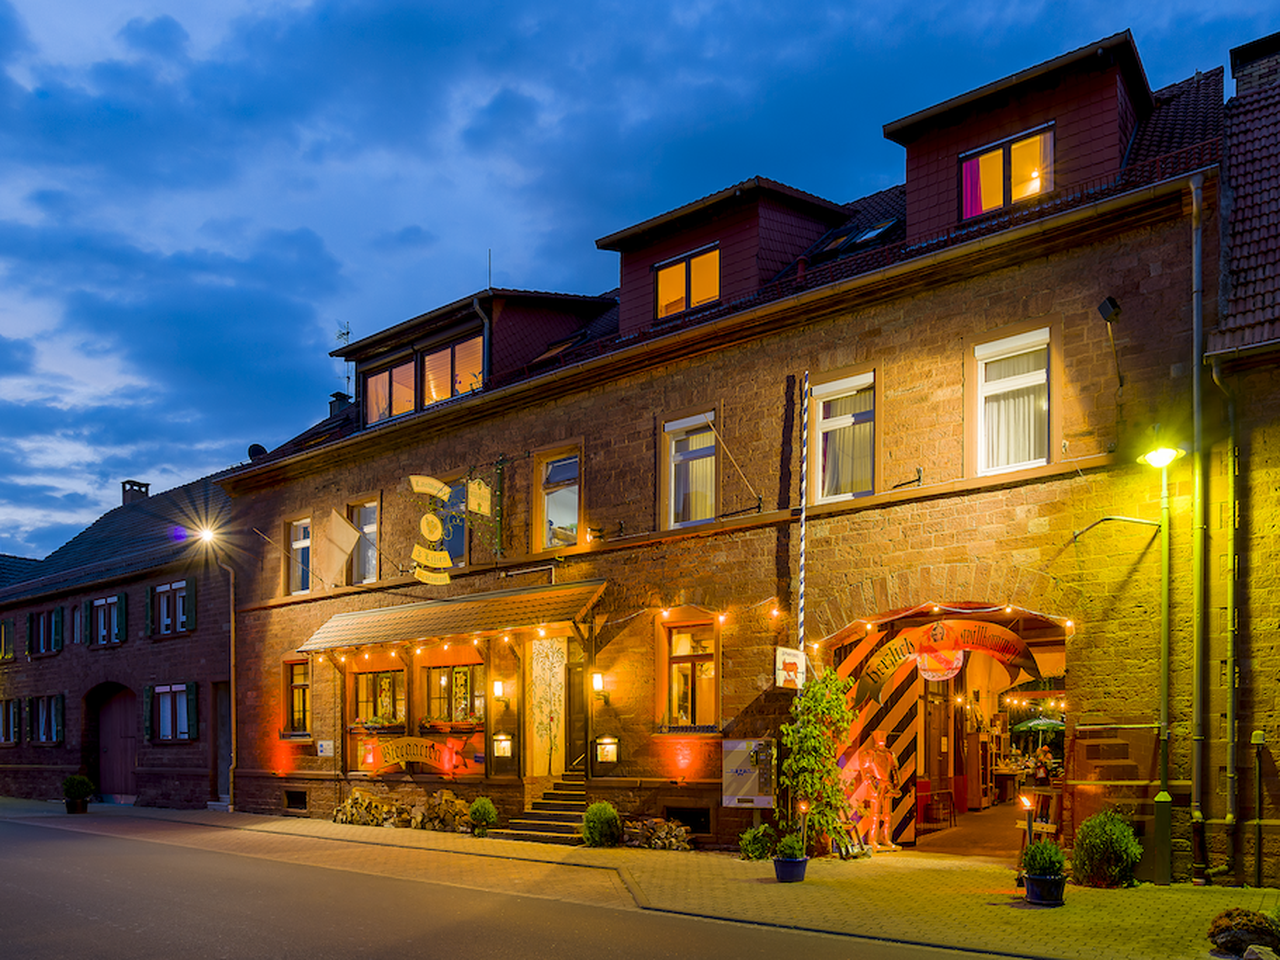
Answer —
195 196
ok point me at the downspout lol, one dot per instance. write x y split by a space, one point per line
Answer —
1233 500
486 348
1199 851
231 692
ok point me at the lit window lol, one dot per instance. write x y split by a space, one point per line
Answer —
298 693
1013 399
558 523
388 393
842 416
688 282
169 608
380 697
691 474
455 693
300 556
6 640
452 371
364 558
691 666
999 176
172 712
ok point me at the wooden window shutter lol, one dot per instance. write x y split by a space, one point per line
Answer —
57 628
59 708
6 639
31 712
147 694
122 621
151 607
191 603
193 717
86 634
31 631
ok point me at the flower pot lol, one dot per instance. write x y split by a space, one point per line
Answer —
77 806
789 871
1044 891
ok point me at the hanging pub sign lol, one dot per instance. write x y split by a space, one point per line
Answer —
430 564
788 668
479 498
938 647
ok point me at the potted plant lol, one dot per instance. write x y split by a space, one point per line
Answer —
484 815
1044 873
789 860
77 790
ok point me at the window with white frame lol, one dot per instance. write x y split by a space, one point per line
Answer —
300 556
1013 400
6 640
842 439
364 558
691 469
105 614
170 608
557 517
45 717
174 711
44 631
8 721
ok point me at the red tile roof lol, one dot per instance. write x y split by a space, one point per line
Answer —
1251 163
1185 113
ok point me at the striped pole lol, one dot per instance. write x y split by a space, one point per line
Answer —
804 498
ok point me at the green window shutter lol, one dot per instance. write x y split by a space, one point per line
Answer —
86 625
31 631
193 716
31 712
151 605
57 628
191 603
122 620
59 716
146 713
6 639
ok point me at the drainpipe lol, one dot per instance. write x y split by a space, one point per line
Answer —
1199 851
231 690
1233 499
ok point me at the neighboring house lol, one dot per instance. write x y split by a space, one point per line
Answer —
114 657
558 535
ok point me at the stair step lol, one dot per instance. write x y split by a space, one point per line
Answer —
543 826
551 816
565 796
559 806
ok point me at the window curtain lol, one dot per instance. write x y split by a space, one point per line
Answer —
694 477
971 176
846 450
1016 420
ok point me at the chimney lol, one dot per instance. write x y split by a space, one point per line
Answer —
1256 65
338 402
131 491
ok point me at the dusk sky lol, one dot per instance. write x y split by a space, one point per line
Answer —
195 196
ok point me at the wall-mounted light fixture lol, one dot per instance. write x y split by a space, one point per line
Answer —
1110 310
606 749
502 745
597 684
595 533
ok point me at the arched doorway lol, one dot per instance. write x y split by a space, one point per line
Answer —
112 709
929 680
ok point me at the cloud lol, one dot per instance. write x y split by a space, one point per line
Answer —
162 37
412 237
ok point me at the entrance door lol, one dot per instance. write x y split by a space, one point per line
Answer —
222 731
575 716
118 744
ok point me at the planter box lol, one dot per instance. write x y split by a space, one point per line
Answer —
1044 891
77 806
789 871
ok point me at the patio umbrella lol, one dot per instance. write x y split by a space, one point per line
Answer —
1038 726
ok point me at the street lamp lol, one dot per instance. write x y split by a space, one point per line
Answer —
1161 457
209 537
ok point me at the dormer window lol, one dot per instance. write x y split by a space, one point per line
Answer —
1001 175
688 281
447 371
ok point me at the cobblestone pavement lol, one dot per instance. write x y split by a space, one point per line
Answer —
910 896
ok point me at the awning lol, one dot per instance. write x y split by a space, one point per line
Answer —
480 612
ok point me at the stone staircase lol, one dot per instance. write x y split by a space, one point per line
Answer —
556 818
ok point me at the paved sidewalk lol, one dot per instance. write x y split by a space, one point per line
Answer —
911 896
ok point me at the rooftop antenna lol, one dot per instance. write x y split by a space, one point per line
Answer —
490 268
344 338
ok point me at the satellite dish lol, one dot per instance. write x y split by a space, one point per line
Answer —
257 451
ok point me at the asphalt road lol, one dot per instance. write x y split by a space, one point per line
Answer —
71 895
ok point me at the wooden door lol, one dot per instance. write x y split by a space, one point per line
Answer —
118 744
575 735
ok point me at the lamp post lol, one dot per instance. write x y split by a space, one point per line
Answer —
1160 458
208 536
